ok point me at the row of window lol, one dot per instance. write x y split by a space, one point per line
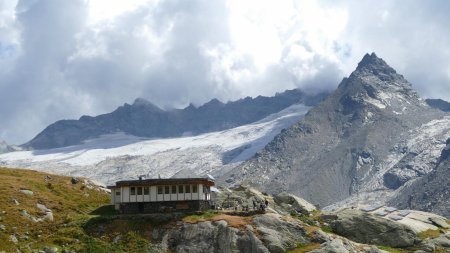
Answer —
164 189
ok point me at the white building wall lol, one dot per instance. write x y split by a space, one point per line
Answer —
133 197
159 197
200 192
113 197
196 195
188 196
153 193
125 194
116 197
147 197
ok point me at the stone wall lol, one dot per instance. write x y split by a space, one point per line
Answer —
165 206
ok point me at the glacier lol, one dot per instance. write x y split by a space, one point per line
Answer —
120 156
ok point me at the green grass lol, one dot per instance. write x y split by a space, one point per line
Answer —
430 233
392 250
78 212
200 216
305 247
326 229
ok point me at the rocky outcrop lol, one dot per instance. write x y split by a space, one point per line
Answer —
266 233
366 228
430 193
248 198
335 246
294 204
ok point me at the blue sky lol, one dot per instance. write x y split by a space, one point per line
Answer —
65 59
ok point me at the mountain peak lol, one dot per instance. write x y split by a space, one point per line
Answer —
142 102
375 82
213 103
374 64
370 58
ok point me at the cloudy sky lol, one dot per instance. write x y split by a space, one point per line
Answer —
64 59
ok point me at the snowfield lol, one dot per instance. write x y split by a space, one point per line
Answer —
426 141
120 156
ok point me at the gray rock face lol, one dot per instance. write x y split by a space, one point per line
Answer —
334 246
144 119
430 193
439 222
295 203
442 241
27 192
279 235
276 235
13 239
50 250
365 228
346 143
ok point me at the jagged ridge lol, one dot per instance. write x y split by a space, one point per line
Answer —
144 119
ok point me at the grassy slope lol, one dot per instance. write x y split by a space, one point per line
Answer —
72 205
82 220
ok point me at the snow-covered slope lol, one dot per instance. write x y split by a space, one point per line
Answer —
121 156
425 143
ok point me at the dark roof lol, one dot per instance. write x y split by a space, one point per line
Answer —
166 181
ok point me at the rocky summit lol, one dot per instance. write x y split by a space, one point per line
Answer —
368 138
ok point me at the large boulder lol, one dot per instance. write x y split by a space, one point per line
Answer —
367 228
277 234
294 203
334 246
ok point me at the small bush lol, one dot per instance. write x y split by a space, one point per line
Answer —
327 229
201 216
392 250
305 247
430 233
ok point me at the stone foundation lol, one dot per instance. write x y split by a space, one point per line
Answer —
165 206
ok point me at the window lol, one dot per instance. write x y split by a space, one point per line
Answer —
194 189
166 189
133 191
180 188
174 189
139 191
188 188
160 190
146 191
117 193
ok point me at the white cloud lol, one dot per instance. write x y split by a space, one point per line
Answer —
63 59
